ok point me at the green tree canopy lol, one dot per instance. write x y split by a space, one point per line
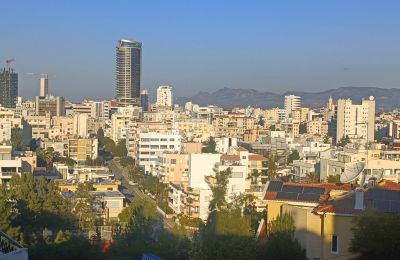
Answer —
120 149
293 156
281 243
376 235
210 146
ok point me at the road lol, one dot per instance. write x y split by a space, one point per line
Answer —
132 192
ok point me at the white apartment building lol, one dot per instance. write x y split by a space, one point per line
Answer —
356 121
224 143
8 165
202 168
43 86
149 145
164 96
5 131
80 125
292 102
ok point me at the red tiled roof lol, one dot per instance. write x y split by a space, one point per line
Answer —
230 157
343 205
241 149
257 157
388 185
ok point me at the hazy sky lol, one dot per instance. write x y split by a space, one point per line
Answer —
204 45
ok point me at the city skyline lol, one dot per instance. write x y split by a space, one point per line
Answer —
206 46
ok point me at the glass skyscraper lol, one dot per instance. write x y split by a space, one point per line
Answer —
129 63
8 88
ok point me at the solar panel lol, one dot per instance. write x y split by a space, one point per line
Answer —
308 197
315 190
287 195
289 188
382 205
275 186
395 206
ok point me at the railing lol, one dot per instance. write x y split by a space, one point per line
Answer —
8 246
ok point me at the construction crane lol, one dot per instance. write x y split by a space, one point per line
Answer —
38 74
8 62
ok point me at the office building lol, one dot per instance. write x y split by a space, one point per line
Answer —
128 70
356 121
8 88
43 86
292 102
144 100
164 96
50 105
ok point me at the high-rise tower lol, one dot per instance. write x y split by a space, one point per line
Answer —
43 86
129 63
8 87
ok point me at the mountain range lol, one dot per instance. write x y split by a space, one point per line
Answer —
228 98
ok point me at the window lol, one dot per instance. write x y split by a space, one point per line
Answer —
335 244
173 161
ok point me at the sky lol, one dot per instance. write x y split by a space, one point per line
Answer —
276 46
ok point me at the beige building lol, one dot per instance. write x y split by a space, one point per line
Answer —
194 129
40 126
65 124
120 121
356 121
82 148
317 127
172 167
232 125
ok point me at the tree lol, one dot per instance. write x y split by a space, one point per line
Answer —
326 140
100 135
254 176
272 168
312 177
209 146
293 156
16 139
281 243
376 235
272 128
45 157
303 128
334 178
83 208
139 213
344 141
120 149
218 189
109 144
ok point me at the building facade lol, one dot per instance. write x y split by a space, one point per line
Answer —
8 88
128 70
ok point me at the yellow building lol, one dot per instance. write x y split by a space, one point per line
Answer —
68 185
300 201
80 149
323 213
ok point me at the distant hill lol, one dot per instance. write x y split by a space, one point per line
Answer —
386 99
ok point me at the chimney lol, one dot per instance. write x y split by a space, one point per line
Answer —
359 201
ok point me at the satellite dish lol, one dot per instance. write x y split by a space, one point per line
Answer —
351 173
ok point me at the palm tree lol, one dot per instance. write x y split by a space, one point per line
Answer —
312 177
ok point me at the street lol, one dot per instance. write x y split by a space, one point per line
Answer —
132 192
